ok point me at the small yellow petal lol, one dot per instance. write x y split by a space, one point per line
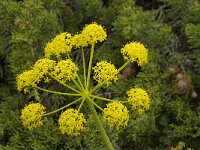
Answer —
71 122
139 99
116 114
135 51
105 73
31 115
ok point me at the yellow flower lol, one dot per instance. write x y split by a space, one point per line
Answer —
139 99
31 115
30 78
93 33
116 114
105 73
26 80
71 122
65 70
79 41
135 51
42 67
59 45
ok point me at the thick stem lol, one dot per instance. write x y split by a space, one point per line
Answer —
90 67
99 125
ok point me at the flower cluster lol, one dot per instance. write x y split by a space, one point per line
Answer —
25 80
105 73
65 70
116 114
59 45
139 99
31 115
30 78
135 51
42 67
71 122
79 41
93 33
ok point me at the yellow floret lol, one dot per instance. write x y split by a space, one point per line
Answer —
26 80
31 115
116 114
65 70
59 45
71 122
42 67
79 41
30 78
93 33
139 99
135 51
105 73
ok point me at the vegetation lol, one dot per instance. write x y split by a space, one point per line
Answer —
169 29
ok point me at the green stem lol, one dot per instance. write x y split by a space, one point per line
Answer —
55 92
99 85
78 86
90 67
84 71
96 105
96 87
80 83
81 104
68 56
101 98
123 66
106 99
67 86
100 126
63 107
58 57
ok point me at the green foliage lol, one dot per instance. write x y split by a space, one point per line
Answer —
193 15
8 11
192 31
188 121
89 10
138 133
27 25
173 11
30 33
133 24
193 35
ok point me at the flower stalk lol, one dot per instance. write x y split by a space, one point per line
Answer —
100 126
90 67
